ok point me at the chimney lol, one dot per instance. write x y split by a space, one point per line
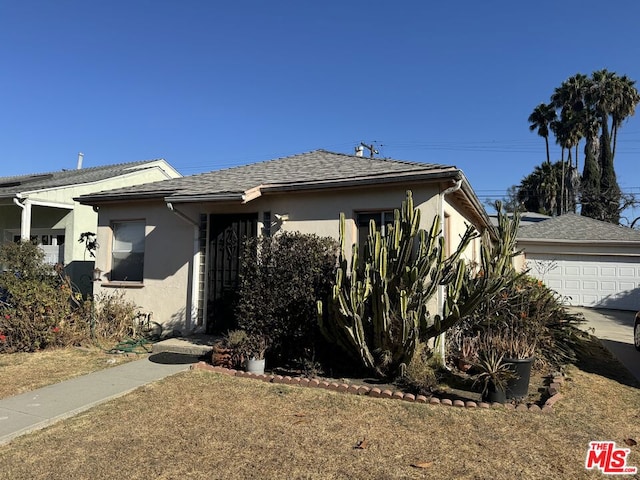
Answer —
359 151
80 157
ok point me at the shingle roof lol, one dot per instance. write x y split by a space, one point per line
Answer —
572 227
319 166
10 186
526 218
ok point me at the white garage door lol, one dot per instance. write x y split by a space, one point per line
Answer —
590 281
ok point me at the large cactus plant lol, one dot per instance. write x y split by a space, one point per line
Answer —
495 271
379 303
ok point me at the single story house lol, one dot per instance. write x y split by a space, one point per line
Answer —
41 207
588 262
174 246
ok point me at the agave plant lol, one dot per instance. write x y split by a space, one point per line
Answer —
493 370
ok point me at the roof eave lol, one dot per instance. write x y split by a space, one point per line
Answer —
558 241
110 198
365 180
225 197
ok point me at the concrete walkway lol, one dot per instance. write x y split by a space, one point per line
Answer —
39 408
615 329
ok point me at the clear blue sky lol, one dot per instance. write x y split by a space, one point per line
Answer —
210 84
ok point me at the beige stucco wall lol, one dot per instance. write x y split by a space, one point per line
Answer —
168 256
170 252
457 226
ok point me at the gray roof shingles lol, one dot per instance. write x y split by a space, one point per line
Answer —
573 227
10 186
315 166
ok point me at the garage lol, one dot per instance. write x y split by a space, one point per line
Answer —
588 262
597 281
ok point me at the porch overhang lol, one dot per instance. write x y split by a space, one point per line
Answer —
26 203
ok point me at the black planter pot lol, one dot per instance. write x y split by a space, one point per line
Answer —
494 394
518 388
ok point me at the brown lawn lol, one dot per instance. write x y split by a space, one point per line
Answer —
22 372
202 425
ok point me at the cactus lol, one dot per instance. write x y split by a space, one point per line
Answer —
379 302
495 272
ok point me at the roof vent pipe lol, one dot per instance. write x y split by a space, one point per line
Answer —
359 151
80 157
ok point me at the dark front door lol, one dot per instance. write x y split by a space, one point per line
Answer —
227 236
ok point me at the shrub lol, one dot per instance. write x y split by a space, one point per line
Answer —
115 317
526 309
37 306
420 375
281 279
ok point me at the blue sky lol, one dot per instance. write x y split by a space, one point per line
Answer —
211 84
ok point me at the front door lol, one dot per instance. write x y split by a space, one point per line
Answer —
227 236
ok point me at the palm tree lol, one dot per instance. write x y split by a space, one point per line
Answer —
540 120
569 98
626 99
538 191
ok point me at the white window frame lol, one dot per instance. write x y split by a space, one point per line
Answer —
137 247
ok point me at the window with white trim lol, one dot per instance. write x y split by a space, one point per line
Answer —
127 254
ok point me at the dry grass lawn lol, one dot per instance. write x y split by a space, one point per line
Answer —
202 425
22 372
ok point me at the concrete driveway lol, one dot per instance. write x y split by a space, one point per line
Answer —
615 329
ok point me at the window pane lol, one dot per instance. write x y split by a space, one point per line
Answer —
127 264
363 218
128 237
127 267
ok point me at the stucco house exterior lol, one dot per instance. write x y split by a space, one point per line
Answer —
588 262
174 246
41 207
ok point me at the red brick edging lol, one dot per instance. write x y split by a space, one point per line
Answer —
376 392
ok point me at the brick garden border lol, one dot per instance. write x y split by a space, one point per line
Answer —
553 390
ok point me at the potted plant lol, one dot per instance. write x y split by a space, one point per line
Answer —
468 353
494 375
255 348
519 352
230 351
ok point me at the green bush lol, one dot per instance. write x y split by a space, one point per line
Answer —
39 307
281 279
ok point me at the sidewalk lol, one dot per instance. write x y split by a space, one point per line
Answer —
39 408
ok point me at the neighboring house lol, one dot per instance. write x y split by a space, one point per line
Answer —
589 262
41 207
174 246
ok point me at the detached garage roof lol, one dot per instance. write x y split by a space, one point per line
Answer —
571 227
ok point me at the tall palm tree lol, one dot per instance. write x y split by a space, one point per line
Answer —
540 120
569 98
625 102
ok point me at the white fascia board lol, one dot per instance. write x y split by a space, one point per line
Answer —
42 203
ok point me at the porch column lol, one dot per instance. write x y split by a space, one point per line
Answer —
25 219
